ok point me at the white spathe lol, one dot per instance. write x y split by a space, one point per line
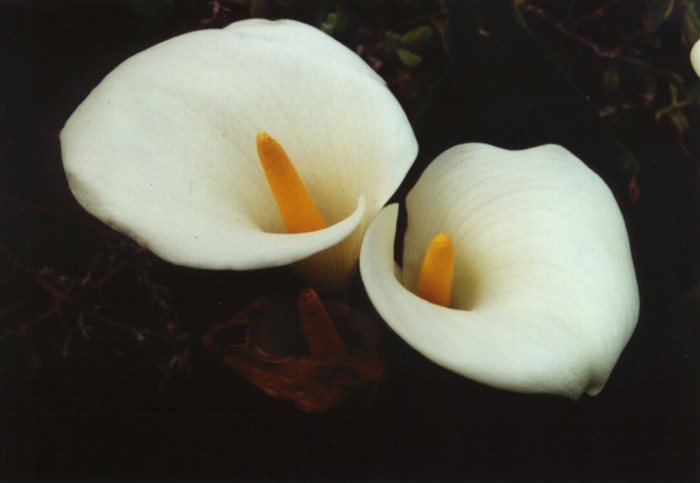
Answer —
164 150
695 57
544 297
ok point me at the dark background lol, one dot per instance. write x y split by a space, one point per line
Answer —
104 376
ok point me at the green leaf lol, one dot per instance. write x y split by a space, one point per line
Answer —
408 58
330 24
417 38
394 39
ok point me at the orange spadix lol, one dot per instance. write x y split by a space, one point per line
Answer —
435 282
299 212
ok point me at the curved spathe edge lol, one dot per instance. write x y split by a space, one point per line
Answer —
250 249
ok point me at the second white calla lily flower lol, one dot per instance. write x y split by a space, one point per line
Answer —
544 295
164 149
695 57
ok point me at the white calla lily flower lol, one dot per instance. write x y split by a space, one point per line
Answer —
164 148
544 295
695 57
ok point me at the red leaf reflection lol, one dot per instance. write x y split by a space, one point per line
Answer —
265 344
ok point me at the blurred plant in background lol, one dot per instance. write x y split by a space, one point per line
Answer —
629 56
